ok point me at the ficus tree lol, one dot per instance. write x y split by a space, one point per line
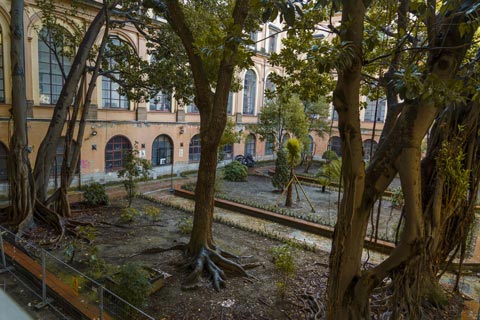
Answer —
420 61
214 37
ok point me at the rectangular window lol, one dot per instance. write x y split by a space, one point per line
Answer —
272 40
192 108
370 110
161 102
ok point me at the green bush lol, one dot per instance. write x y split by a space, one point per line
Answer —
284 263
134 168
330 155
235 171
282 170
330 173
133 284
153 212
94 195
128 214
185 225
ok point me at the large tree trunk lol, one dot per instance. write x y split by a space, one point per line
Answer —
213 119
47 149
349 287
22 195
347 246
69 168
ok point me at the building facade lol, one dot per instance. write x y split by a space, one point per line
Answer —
166 131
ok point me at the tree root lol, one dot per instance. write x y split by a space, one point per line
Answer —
156 250
214 262
313 305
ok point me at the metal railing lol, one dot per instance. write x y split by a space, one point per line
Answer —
62 287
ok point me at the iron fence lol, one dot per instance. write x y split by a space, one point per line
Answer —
59 285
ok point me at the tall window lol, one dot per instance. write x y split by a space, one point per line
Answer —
228 151
369 148
115 153
269 88
272 41
269 144
311 145
253 37
161 102
51 62
370 110
285 138
162 151
334 114
3 162
60 154
2 74
111 98
250 142
249 92
230 103
335 145
194 149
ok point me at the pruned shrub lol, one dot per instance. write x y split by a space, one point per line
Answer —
282 171
94 195
235 171
330 155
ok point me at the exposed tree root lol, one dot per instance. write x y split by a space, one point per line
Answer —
313 306
212 261
156 250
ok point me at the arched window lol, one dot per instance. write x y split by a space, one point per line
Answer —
2 74
51 62
311 145
335 145
111 98
285 138
194 149
250 142
115 152
162 150
56 170
269 144
161 102
369 148
3 162
249 92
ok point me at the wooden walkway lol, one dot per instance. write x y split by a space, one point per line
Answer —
61 289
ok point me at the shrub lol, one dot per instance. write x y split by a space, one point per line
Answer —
330 173
152 211
235 171
330 155
95 195
282 171
133 284
185 225
283 260
128 214
134 167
